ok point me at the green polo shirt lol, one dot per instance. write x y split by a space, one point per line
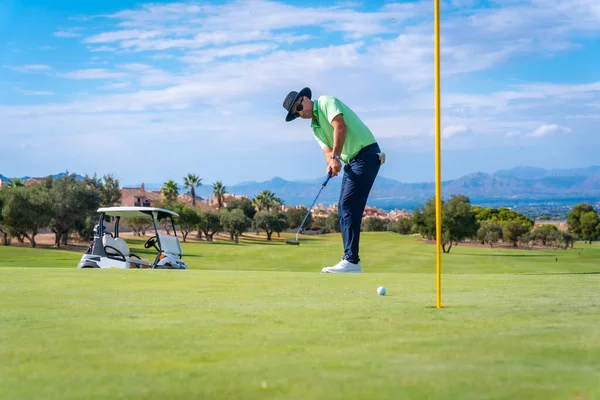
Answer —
357 134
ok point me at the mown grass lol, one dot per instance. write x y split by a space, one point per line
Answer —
259 321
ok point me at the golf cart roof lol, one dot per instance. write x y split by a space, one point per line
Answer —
133 212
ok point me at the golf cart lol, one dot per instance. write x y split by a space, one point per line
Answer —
108 250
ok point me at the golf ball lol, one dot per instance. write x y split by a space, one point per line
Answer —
381 291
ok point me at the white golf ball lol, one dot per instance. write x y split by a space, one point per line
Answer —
381 291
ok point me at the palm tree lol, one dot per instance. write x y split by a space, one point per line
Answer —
192 181
170 191
17 182
257 202
219 191
267 200
261 200
278 202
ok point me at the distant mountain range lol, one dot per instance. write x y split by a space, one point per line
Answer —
24 178
511 186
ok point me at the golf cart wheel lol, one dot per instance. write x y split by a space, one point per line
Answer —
166 266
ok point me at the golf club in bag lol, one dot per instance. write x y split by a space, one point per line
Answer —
296 242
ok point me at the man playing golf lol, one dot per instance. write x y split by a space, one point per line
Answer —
343 137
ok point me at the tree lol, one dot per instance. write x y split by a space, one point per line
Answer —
513 230
26 211
13 183
423 220
73 201
525 239
219 191
459 222
266 200
492 237
107 187
210 224
243 204
332 223
192 181
374 224
544 233
489 232
589 222
319 223
574 217
170 191
501 215
554 239
273 221
235 222
188 220
110 192
282 224
403 226
477 210
296 215
568 239
507 215
139 225
4 236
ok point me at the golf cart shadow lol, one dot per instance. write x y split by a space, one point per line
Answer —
243 241
108 250
252 240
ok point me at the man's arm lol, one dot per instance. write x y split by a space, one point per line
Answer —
334 166
328 151
339 134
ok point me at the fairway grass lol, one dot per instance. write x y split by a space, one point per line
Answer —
259 321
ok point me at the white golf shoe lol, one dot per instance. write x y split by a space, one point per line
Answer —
343 266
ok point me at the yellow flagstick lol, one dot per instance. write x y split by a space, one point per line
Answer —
438 174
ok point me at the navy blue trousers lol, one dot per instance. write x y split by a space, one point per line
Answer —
359 175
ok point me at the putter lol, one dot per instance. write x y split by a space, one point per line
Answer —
296 242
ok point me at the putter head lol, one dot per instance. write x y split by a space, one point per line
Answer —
292 242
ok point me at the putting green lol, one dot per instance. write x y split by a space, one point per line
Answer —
258 321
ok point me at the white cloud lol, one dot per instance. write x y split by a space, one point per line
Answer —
146 75
33 68
161 56
35 92
231 65
93 73
102 48
118 85
69 32
211 54
583 116
159 27
454 130
63 34
117 36
549 129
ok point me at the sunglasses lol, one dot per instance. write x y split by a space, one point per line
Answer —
299 107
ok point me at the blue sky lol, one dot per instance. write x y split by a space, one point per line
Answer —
153 91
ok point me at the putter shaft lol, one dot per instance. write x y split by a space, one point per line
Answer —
312 205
